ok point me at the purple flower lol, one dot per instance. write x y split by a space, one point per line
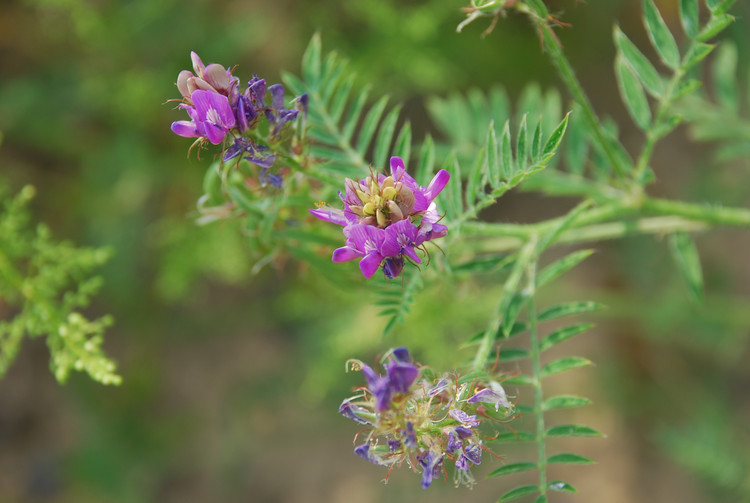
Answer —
363 451
410 438
431 464
474 453
495 394
348 409
211 116
463 418
400 375
385 218
454 443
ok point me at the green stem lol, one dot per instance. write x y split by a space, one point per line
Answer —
599 232
536 369
567 74
511 286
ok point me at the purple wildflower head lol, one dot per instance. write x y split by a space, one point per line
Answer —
417 421
386 218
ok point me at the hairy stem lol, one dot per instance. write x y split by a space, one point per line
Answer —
536 369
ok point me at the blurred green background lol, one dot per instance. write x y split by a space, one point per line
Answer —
231 379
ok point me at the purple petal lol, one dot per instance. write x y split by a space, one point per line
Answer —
344 254
392 267
332 215
186 129
277 96
474 453
402 375
399 237
463 418
437 184
401 354
363 451
348 409
410 437
198 65
369 265
213 108
453 443
261 160
463 432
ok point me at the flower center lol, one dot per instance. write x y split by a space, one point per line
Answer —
380 203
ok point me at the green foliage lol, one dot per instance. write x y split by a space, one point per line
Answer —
45 284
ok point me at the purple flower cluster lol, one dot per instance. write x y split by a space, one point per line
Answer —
424 423
386 218
211 96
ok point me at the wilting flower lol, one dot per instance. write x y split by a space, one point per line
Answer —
386 218
426 423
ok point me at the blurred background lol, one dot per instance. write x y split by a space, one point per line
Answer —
232 379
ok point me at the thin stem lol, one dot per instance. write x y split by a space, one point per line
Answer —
599 232
511 286
567 74
536 369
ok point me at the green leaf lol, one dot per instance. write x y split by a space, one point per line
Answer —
311 60
568 458
688 262
722 6
563 364
453 201
370 124
426 161
541 499
385 138
506 154
557 268
714 26
340 98
632 94
661 37
568 308
512 354
559 485
563 334
352 117
514 307
666 126
565 402
556 137
572 430
724 76
512 468
696 54
689 17
686 87
511 437
637 62
522 146
492 151
536 143
518 492
402 147
520 380
576 150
